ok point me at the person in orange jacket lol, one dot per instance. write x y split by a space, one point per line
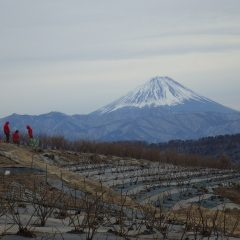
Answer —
30 132
6 130
16 137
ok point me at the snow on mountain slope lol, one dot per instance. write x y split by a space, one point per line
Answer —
159 91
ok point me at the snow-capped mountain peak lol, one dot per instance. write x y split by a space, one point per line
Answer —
158 91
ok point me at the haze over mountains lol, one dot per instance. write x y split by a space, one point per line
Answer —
160 110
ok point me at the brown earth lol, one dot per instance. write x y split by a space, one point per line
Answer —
231 193
24 156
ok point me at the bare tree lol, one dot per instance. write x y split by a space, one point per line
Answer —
44 201
121 222
87 213
157 218
94 213
3 216
14 201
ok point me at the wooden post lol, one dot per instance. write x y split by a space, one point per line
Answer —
75 196
32 161
46 176
62 180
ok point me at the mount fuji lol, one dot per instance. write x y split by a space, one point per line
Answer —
157 111
164 92
161 110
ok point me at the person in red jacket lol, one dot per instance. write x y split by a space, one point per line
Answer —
6 130
16 137
30 132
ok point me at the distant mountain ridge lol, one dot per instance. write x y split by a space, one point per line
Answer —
157 111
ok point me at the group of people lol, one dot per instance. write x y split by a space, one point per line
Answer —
16 134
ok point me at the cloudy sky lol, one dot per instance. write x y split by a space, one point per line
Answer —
75 56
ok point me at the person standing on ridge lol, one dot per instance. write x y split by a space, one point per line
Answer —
16 137
6 130
30 132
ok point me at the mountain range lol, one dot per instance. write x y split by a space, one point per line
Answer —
157 111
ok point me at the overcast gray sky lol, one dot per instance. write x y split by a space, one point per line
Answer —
75 56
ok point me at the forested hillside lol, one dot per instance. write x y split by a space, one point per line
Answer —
227 145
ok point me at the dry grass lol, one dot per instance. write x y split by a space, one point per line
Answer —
5 162
231 193
24 157
226 221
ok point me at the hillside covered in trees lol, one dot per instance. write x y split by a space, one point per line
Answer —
224 145
220 152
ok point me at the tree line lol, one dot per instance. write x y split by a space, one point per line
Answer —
137 150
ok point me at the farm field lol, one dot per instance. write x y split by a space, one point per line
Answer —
53 194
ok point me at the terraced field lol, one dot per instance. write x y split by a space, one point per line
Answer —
157 183
107 197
